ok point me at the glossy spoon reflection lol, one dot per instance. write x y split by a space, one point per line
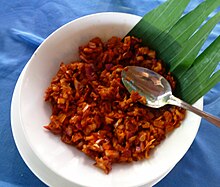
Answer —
157 90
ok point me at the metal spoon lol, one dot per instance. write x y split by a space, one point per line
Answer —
157 91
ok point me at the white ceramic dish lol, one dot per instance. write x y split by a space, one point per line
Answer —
62 160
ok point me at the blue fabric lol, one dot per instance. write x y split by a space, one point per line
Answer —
24 25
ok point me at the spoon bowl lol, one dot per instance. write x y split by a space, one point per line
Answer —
154 87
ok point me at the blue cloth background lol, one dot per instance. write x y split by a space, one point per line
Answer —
199 167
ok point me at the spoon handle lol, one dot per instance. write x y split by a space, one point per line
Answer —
178 102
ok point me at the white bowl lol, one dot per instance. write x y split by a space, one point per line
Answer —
64 160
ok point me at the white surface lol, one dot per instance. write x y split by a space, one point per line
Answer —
65 163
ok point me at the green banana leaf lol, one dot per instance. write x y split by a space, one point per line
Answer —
178 39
